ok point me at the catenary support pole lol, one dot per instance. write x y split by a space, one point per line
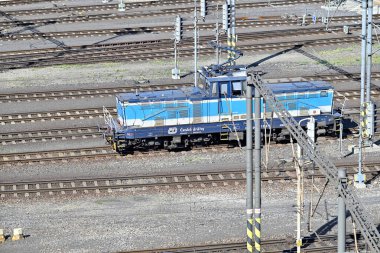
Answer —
233 29
217 34
342 176
359 175
249 172
369 49
257 172
195 44
229 28
299 194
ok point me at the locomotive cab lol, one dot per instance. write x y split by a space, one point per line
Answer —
225 83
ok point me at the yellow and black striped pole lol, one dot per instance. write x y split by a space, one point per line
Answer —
229 44
233 45
250 232
257 230
249 169
257 169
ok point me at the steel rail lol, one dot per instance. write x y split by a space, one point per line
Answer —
10 36
56 155
131 30
270 245
51 115
154 3
163 53
129 15
133 46
190 179
51 134
101 91
136 14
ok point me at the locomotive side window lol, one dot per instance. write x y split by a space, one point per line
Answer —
214 89
223 88
237 89
324 93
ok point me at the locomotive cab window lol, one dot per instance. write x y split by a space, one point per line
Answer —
237 88
214 89
224 88
324 93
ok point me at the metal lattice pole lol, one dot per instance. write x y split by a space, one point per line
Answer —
369 50
233 30
229 29
217 34
362 220
195 44
359 175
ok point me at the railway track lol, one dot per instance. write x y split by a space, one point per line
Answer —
150 51
188 180
7 55
49 135
35 34
320 243
87 92
56 155
137 4
80 13
32 117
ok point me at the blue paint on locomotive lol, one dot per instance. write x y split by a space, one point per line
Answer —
219 102
207 128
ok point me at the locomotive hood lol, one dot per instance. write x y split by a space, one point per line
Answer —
164 95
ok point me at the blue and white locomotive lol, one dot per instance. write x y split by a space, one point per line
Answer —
214 112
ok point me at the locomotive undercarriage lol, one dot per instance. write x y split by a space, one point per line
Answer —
169 142
185 142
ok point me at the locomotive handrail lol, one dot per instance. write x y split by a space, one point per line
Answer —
108 119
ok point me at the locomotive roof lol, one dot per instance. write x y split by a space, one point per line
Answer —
299 86
197 93
164 95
